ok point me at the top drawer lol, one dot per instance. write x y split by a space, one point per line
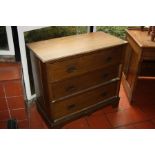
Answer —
70 67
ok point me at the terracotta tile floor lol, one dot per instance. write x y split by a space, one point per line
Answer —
140 115
126 116
12 104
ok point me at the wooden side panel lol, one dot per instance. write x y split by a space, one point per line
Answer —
131 67
41 89
127 58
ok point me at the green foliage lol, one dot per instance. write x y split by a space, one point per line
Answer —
118 31
60 31
53 32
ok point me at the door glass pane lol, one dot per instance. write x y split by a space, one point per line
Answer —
3 39
49 33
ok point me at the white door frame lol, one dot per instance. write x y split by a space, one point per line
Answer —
94 28
21 30
11 50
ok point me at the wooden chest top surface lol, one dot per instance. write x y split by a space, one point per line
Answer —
54 49
142 38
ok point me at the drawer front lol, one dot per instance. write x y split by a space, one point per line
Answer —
79 102
79 65
75 84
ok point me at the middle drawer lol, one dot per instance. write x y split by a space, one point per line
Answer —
75 84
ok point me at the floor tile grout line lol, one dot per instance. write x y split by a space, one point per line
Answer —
6 101
17 109
12 109
10 80
15 96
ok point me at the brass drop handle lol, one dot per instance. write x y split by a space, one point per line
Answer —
71 69
104 94
70 88
72 106
109 59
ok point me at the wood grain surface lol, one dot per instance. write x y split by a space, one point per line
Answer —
58 48
141 37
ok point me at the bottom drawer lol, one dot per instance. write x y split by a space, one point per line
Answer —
79 102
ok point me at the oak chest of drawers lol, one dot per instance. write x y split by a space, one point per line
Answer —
76 75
